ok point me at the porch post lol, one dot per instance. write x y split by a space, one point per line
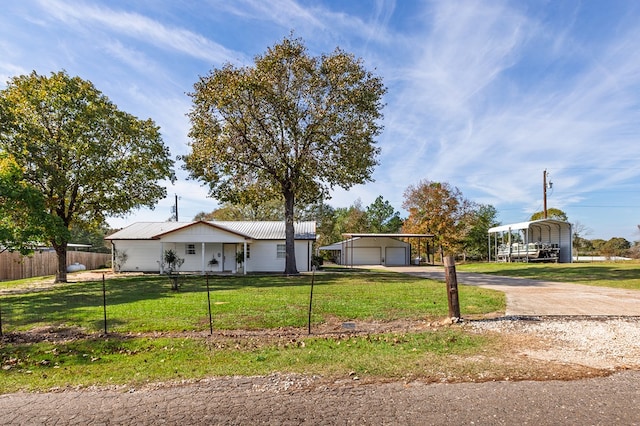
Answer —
244 253
161 257
203 264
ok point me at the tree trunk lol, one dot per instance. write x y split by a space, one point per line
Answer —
174 282
290 267
61 253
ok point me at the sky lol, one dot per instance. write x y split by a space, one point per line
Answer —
484 95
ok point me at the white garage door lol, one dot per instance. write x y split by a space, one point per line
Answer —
366 256
396 256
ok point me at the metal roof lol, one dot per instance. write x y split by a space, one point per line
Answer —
254 230
526 225
146 230
338 245
354 237
273 230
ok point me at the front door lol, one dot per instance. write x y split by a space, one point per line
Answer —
229 257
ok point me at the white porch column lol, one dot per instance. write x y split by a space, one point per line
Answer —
161 257
203 261
244 253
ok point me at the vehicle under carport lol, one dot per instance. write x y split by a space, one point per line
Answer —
544 240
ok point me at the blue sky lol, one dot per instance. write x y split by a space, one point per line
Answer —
483 95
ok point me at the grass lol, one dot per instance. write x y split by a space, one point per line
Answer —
139 307
624 275
133 362
146 304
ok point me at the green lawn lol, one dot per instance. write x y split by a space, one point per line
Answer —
136 361
146 303
606 274
138 307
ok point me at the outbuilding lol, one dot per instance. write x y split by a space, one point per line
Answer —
544 240
376 249
218 246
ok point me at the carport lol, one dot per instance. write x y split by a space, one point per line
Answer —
544 240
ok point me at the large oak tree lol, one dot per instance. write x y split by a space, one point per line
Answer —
87 159
292 126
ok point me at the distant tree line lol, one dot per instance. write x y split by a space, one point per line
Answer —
616 246
459 226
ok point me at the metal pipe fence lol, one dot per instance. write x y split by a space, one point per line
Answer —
107 306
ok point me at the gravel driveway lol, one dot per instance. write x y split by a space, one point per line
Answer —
533 297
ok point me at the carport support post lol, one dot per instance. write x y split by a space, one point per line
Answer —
452 286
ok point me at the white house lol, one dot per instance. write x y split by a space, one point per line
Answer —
211 246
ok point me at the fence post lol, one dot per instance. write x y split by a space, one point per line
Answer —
0 319
452 286
209 303
104 303
313 276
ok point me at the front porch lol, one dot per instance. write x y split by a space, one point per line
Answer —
208 257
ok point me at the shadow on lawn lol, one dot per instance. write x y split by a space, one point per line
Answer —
62 302
81 303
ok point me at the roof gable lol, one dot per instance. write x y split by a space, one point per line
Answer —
211 225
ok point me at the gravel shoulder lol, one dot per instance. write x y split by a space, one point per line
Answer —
595 327
603 343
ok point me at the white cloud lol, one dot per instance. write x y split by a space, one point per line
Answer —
463 117
141 28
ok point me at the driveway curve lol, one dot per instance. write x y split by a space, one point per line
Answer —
535 297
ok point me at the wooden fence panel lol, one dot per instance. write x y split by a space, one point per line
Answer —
14 266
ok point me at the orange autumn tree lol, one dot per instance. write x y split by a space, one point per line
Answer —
440 209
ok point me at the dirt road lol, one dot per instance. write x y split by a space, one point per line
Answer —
534 297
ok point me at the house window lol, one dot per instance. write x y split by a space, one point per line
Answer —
281 252
190 249
248 251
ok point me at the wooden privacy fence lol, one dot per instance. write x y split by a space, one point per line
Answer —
14 266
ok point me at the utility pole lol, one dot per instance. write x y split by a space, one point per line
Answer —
545 185
544 190
176 207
